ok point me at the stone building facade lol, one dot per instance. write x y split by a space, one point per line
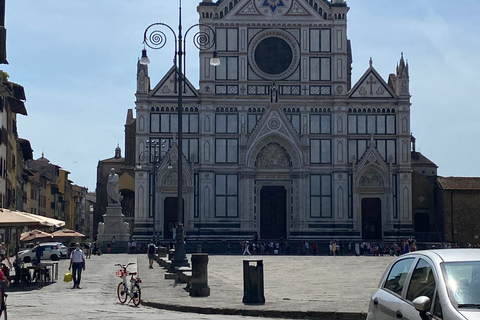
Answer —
276 140
427 223
459 209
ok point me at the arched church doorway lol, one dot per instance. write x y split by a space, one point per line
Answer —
372 218
273 212
170 217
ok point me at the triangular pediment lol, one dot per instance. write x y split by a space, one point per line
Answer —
371 156
168 168
371 85
371 169
167 87
248 9
298 9
274 9
274 126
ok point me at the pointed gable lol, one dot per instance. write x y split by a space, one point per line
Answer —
298 10
274 9
372 169
371 85
167 86
274 126
248 10
168 168
371 156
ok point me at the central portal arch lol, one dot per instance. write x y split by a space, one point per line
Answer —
273 212
274 160
371 218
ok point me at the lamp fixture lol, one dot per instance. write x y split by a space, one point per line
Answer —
215 61
144 59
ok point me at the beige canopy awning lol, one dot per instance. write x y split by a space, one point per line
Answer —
67 233
45 221
14 219
19 219
36 234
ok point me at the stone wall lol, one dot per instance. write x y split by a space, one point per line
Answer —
426 219
461 210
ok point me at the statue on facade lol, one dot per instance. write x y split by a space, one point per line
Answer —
126 228
274 93
112 188
101 228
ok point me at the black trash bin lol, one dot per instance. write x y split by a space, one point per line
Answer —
253 287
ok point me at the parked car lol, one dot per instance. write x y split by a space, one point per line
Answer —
61 248
51 251
430 284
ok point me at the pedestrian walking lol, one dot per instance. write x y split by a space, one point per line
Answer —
246 248
151 249
357 249
315 248
38 252
77 265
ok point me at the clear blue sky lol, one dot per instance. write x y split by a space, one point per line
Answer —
77 61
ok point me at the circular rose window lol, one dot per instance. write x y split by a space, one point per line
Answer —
274 54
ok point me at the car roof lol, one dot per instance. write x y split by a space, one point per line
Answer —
450 255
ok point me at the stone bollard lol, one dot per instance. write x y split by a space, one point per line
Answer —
199 281
162 252
171 254
253 286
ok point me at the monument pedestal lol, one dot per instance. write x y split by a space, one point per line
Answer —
114 225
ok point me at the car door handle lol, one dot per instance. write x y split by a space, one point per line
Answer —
375 301
399 314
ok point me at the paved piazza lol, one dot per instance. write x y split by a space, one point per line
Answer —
292 283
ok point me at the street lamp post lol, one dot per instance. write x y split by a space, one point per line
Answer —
154 145
152 155
156 39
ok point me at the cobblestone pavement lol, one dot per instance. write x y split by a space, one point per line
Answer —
324 287
97 299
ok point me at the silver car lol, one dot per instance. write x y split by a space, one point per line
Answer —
430 284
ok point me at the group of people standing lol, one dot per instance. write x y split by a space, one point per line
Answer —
382 248
335 247
262 248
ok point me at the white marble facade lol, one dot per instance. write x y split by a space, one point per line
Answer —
276 139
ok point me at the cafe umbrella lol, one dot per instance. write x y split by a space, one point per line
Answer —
17 220
34 235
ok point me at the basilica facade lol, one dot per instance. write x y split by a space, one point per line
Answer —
276 139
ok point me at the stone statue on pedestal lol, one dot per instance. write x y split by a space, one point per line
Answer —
112 188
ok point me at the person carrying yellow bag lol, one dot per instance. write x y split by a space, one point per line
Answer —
68 277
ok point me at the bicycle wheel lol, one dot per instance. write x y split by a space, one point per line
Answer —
137 293
122 292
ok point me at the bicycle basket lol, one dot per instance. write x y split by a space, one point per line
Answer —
119 273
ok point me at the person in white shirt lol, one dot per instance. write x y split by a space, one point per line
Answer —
77 261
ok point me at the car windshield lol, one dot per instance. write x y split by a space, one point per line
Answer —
463 283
